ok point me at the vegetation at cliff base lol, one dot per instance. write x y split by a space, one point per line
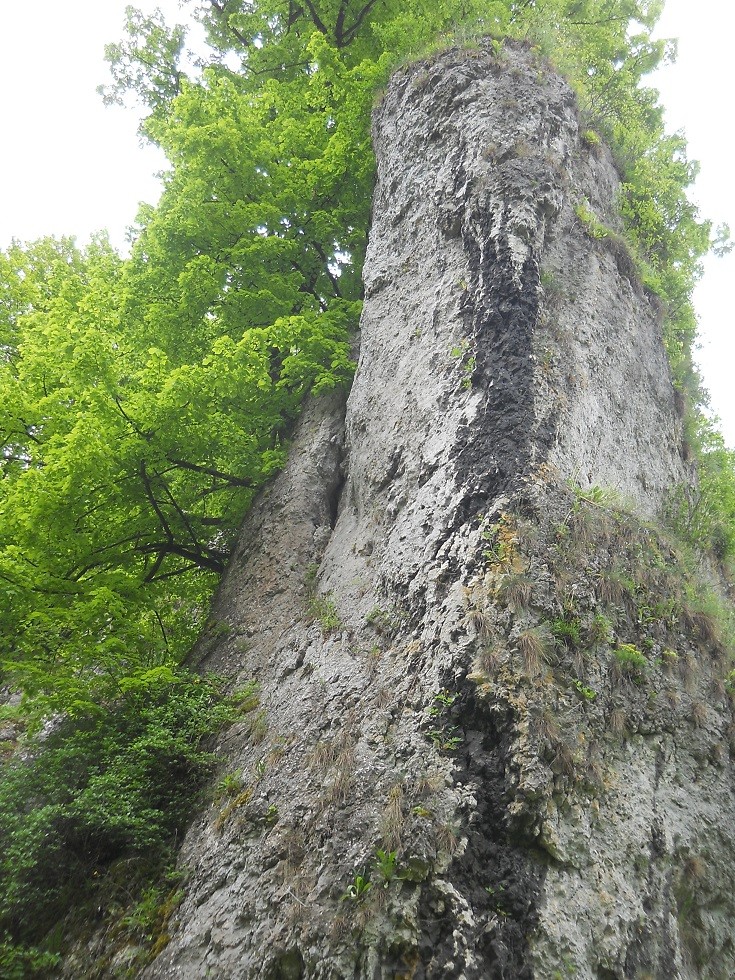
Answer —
145 399
91 809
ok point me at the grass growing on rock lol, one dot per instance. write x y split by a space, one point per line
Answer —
628 629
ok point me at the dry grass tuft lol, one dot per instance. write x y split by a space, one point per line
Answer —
688 672
593 773
344 767
563 763
695 868
719 690
705 627
481 621
393 821
515 591
547 727
385 697
447 838
323 755
489 660
672 698
614 586
426 784
534 645
618 722
698 713
341 927
372 662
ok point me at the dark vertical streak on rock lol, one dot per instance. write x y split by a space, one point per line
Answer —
495 449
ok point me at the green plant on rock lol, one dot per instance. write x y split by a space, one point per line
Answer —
588 693
386 865
461 352
631 661
382 621
468 369
587 218
444 738
229 785
601 629
146 921
357 889
710 619
323 610
567 631
655 610
498 898
320 608
442 701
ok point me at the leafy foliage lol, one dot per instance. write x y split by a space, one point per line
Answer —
96 787
126 467
705 514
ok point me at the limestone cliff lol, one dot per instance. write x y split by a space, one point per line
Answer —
493 738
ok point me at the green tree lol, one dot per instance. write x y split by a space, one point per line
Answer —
125 468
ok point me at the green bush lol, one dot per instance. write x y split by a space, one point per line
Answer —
22 963
95 788
704 514
567 631
631 661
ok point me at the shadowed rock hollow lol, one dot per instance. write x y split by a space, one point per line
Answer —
439 626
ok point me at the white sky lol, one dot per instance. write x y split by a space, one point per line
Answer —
71 166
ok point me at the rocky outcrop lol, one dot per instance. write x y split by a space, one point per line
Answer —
493 736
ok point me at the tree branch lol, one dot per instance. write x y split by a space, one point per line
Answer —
315 18
320 252
213 560
225 20
133 425
351 32
234 481
154 503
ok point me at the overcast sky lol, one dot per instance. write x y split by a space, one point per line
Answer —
71 166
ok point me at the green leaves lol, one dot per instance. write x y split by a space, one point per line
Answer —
146 63
126 467
119 780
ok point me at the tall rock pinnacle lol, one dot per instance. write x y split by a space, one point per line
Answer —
492 739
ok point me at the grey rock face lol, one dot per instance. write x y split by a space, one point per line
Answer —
523 802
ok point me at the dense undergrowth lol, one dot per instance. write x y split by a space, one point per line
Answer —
91 810
144 400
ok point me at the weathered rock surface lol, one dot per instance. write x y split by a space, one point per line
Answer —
543 808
